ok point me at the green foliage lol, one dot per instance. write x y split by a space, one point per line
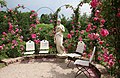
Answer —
46 32
45 18
3 22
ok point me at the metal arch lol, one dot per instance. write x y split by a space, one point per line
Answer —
28 8
45 7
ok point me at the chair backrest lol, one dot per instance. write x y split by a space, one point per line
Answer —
80 47
30 46
91 57
44 46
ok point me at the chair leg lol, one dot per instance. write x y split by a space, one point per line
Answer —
68 63
82 70
87 71
78 72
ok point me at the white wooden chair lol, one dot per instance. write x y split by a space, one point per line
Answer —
44 46
77 54
83 65
30 47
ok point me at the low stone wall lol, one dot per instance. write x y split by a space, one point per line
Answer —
29 57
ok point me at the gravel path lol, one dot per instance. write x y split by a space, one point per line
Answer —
38 70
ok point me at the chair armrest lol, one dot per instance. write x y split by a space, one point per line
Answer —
78 53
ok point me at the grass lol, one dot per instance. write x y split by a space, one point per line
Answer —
2 65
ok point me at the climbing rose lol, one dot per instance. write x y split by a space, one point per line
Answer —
97 13
32 11
69 36
80 38
111 63
99 58
82 32
16 30
102 21
10 26
3 39
104 32
37 41
33 25
96 19
101 42
33 35
94 3
88 28
93 36
118 14
4 33
1 47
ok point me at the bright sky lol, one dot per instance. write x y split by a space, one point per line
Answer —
53 4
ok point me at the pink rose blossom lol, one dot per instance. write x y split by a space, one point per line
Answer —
5 16
22 47
1 47
4 33
16 30
37 41
101 42
13 32
77 31
33 25
88 28
93 36
69 36
96 19
32 11
80 38
30 16
12 47
97 13
3 39
50 46
10 26
94 3
104 32
73 27
33 35
111 63
107 44
51 21
40 28
102 21
18 5
14 42
37 21
72 32
99 58
118 14
82 31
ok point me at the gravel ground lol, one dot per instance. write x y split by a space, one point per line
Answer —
41 68
38 70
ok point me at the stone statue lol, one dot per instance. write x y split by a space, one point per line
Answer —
58 38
